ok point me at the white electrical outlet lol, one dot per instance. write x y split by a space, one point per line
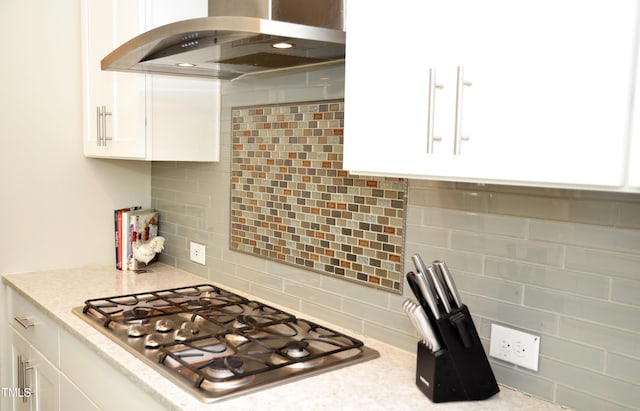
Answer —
514 346
197 253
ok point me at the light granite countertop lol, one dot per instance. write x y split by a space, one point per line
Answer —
385 383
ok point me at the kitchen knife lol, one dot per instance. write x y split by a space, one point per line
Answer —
425 326
442 268
439 289
430 274
426 294
413 284
407 306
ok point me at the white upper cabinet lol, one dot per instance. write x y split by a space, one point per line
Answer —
528 92
634 158
634 146
138 116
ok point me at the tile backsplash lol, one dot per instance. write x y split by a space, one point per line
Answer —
562 264
292 202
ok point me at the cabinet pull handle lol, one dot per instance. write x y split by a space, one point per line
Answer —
457 132
98 126
431 110
105 113
24 321
20 370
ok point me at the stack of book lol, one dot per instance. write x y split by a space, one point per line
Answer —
133 226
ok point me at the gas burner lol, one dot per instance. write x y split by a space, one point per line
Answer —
136 331
138 313
244 321
164 326
202 302
153 341
186 331
296 349
225 367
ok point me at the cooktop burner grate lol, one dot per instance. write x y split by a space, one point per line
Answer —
218 344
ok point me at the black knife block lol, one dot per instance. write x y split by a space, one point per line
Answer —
459 371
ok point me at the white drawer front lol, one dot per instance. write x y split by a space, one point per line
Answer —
40 330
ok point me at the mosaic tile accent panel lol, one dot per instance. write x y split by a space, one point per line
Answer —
292 202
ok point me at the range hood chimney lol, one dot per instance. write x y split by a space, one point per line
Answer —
239 37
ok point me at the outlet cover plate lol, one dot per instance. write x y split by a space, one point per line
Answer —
197 253
515 346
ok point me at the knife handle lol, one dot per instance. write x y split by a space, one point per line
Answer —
439 288
441 268
425 290
413 284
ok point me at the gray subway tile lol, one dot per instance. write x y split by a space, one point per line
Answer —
629 214
578 400
341 319
355 291
626 291
527 205
548 277
440 194
388 318
522 381
427 236
396 338
506 247
572 352
275 296
414 215
475 222
488 287
592 211
603 262
530 319
313 295
624 367
592 236
598 384
591 309
260 278
600 335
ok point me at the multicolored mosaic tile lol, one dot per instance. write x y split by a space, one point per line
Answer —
292 202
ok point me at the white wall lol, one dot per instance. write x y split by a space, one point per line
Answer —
56 206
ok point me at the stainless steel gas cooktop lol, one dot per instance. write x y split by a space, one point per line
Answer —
217 344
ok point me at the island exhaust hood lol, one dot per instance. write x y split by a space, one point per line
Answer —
239 37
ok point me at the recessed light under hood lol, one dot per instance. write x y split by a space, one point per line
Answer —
238 39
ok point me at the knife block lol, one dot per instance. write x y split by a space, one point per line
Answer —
460 370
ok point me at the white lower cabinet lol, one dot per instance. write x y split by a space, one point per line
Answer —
99 379
52 370
72 399
35 380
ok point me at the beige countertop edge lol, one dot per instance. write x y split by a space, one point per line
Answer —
386 383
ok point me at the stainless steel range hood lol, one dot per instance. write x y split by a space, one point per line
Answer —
237 39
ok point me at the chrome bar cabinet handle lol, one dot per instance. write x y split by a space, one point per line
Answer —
24 321
431 110
457 132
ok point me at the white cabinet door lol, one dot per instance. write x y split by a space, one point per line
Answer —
46 383
137 116
114 103
547 101
72 399
183 114
634 162
386 86
35 377
21 387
